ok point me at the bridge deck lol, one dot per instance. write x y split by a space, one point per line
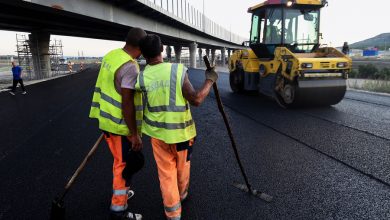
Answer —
317 163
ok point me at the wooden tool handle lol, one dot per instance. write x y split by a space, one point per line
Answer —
81 167
227 124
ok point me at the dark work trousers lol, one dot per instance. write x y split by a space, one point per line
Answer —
15 83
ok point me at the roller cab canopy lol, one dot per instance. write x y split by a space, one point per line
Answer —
294 24
294 3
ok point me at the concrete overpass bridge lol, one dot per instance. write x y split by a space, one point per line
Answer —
178 24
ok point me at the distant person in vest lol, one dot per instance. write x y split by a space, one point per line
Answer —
118 108
167 94
17 78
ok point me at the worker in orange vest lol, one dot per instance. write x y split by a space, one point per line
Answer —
167 119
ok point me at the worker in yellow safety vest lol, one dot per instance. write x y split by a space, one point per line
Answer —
168 94
118 108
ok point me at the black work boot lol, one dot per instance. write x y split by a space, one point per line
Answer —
125 215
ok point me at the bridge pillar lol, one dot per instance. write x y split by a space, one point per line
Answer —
200 56
229 51
168 50
213 56
223 56
39 43
193 47
177 53
208 52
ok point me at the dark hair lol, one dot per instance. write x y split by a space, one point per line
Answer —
151 46
134 36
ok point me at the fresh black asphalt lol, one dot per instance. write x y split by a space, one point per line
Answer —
321 163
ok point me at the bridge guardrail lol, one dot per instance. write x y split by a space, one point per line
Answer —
183 12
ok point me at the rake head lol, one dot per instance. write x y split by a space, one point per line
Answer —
57 211
254 192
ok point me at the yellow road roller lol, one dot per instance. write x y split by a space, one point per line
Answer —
284 58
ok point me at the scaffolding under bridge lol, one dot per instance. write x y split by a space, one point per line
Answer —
26 60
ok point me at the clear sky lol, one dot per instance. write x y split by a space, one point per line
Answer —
342 20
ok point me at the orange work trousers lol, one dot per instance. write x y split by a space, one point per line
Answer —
173 164
118 145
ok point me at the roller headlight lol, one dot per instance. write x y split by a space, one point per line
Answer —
290 3
342 65
307 65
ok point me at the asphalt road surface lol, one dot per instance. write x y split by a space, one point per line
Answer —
322 163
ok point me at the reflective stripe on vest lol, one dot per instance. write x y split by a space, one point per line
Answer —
108 98
169 126
112 118
112 101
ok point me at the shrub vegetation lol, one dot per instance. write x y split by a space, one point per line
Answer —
370 71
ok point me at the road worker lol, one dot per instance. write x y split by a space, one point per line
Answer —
167 94
70 67
118 108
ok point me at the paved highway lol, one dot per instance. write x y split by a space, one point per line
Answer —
322 163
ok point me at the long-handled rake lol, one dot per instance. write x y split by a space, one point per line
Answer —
247 186
57 211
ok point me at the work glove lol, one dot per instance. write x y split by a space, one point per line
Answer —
211 74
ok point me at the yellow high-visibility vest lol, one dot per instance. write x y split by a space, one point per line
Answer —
167 114
107 102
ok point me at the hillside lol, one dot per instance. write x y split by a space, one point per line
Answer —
381 41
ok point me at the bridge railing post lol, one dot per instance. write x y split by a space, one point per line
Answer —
197 18
195 23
